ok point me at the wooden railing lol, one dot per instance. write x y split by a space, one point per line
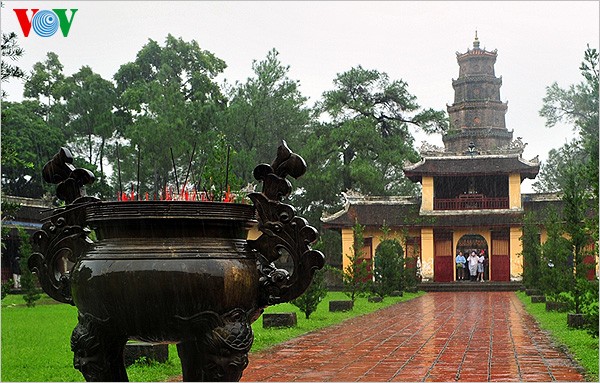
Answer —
470 202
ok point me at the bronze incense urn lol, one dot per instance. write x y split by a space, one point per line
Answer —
178 272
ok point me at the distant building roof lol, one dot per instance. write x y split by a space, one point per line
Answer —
29 213
405 212
471 165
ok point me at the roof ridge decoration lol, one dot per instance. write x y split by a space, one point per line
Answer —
516 146
325 217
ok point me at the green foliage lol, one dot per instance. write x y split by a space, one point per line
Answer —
314 294
589 303
576 205
322 317
264 110
580 344
46 85
531 253
579 106
574 169
368 136
552 173
10 49
6 286
360 139
388 272
169 100
92 124
355 276
28 143
28 280
556 265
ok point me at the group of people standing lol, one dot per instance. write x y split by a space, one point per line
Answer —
474 263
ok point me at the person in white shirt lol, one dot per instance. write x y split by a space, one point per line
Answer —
473 260
480 264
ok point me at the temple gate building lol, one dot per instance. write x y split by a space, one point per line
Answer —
471 188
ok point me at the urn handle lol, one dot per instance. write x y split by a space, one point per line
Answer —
63 238
283 233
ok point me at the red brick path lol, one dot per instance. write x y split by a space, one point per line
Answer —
476 336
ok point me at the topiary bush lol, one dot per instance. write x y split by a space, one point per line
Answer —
314 294
389 268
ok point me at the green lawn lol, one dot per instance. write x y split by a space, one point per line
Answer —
582 346
36 341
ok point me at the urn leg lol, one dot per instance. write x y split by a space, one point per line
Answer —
98 350
200 364
216 347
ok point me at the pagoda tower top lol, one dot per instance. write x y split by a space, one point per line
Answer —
476 51
477 116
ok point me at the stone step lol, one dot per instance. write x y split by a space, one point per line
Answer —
470 286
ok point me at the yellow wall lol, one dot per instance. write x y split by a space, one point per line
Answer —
347 244
427 253
514 191
516 248
376 235
427 194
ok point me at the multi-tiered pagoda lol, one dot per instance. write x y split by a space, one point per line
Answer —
471 188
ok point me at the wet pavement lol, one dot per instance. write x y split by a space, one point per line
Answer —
441 336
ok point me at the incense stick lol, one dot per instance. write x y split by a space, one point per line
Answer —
138 173
227 168
189 165
175 169
119 171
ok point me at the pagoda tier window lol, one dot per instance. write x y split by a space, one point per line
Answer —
470 192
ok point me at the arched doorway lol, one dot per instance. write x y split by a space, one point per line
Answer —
474 242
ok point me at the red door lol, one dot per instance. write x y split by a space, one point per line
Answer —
443 261
500 258
590 261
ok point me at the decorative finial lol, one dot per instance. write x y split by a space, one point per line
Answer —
476 42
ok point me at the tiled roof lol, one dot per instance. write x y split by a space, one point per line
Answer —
375 211
405 212
467 165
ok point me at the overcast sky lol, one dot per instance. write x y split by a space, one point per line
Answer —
538 43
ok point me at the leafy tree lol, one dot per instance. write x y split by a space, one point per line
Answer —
355 276
90 101
575 212
555 268
46 82
10 49
264 110
31 292
389 266
552 173
28 142
314 294
579 106
531 252
170 101
363 138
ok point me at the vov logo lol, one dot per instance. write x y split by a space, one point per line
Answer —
45 22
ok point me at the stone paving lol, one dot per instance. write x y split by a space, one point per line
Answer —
441 336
